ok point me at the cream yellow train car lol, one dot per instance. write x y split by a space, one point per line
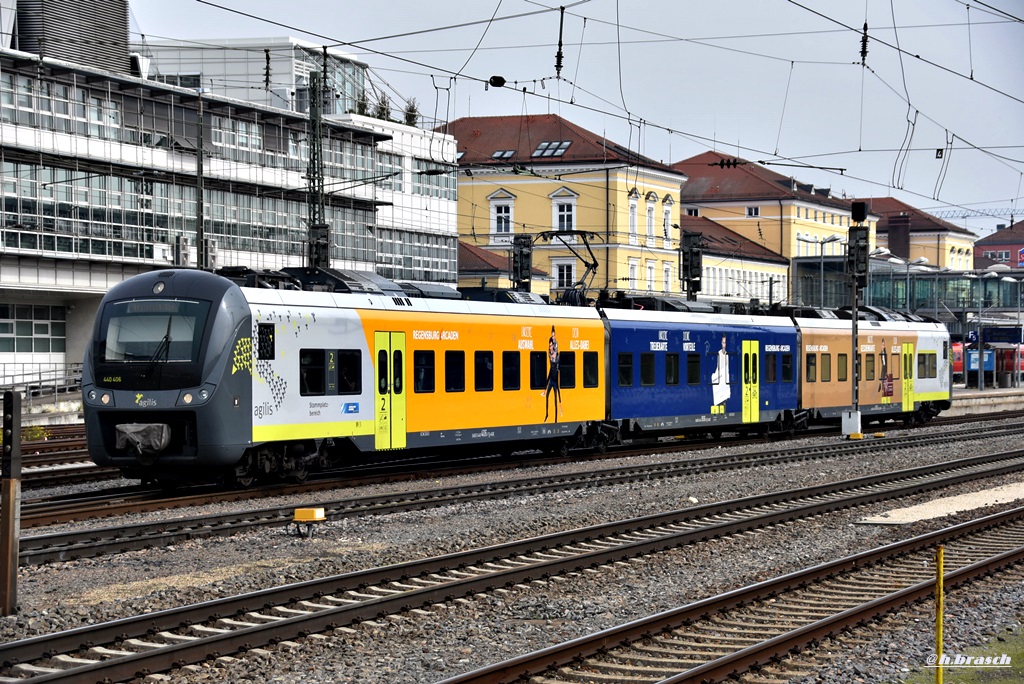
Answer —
905 369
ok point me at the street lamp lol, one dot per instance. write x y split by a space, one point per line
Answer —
916 262
876 252
821 261
981 300
892 287
1020 336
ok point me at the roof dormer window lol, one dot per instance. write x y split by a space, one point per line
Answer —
503 154
551 149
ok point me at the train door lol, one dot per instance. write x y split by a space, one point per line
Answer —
751 393
908 377
389 392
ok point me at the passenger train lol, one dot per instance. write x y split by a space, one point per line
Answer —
195 376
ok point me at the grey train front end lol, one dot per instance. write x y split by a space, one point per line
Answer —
166 383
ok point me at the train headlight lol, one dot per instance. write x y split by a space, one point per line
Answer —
204 394
92 395
187 398
105 398
158 288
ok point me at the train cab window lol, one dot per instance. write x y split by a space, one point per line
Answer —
770 372
591 369
625 369
647 369
811 367
842 367
510 371
826 368
567 370
423 371
671 369
693 369
311 372
538 370
350 371
265 342
869 366
454 371
483 371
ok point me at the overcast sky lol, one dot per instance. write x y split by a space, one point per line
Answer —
768 80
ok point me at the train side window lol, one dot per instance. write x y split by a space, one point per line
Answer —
811 367
510 371
625 369
770 359
567 370
423 371
311 372
842 367
787 368
869 366
894 365
754 366
455 371
591 369
945 350
350 371
826 368
693 369
265 341
928 367
538 370
483 366
647 369
672 369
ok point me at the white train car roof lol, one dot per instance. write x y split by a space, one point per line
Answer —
385 302
697 318
866 327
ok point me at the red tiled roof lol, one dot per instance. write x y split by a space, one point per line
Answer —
722 241
1013 235
747 180
473 259
479 137
888 207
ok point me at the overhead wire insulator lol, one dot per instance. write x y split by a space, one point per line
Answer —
864 46
558 55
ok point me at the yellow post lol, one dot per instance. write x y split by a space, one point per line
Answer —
939 572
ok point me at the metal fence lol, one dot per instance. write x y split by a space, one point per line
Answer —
40 383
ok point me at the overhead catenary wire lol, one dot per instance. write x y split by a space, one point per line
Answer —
627 118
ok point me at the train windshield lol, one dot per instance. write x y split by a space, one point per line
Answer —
153 331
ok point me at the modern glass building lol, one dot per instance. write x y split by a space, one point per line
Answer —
103 170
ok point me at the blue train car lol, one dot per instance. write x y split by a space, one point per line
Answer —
674 372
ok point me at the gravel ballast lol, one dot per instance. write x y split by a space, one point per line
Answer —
462 636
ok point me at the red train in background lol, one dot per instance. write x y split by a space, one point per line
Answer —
999 361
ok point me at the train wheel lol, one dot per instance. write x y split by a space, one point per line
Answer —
297 476
244 474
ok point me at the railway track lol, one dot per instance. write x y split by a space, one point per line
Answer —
62 458
62 546
722 637
160 641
